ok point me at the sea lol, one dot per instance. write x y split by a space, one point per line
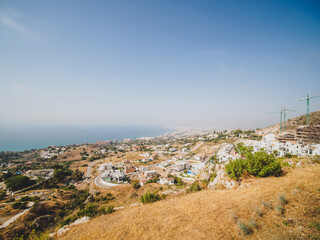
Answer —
37 137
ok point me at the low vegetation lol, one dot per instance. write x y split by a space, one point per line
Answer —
259 164
150 197
18 182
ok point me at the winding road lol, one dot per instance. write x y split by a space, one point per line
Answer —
89 169
11 220
100 183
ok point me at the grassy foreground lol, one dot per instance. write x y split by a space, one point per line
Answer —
286 207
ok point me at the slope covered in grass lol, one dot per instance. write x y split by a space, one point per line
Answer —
285 207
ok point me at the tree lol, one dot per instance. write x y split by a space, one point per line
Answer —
2 195
259 164
18 182
61 173
149 197
77 175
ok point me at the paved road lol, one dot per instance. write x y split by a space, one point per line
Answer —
100 183
196 147
89 169
11 220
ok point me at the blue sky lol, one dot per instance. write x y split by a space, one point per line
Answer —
157 63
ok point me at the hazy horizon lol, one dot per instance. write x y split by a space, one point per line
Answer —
167 64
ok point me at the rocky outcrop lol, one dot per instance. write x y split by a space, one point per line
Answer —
222 179
42 222
67 227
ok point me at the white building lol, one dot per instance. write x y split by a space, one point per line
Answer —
166 181
105 166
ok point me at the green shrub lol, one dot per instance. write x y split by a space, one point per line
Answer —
267 205
280 209
134 195
149 197
178 181
91 210
2 195
61 173
235 168
77 175
70 187
258 212
102 211
253 223
110 209
214 159
135 185
69 220
10 200
18 182
315 225
24 199
213 176
152 180
194 187
259 164
244 228
282 200
19 205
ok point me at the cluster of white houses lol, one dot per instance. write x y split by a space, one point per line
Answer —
122 172
271 144
191 168
52 151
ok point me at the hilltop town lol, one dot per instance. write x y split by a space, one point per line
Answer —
50 192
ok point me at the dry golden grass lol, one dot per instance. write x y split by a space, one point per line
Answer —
213 214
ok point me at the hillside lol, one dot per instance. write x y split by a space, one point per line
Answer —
292 124
213 214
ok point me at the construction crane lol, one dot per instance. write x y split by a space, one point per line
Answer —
280 119
307 98
283 116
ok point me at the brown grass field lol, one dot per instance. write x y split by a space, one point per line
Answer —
214 214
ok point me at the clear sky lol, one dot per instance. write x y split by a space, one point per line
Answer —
157 63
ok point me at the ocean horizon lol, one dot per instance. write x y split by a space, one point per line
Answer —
27 138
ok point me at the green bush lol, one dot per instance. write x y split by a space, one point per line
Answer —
134 195
110 209
61 173
178 181
235 168
149 197
259 164
214 159
2 195
69 220
136 185
213 176
18 182
24 199
70 187
152 180
244 228
282 200
194 187
92 210
77 175
19 205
